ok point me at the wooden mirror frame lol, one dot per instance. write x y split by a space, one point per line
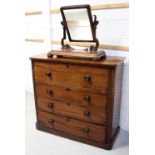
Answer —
93 25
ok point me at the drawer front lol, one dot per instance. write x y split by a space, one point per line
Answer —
71 75
84 98
71 126
91 114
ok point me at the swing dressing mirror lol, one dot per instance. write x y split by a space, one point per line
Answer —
79 26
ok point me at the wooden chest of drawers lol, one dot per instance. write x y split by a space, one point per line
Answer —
78 99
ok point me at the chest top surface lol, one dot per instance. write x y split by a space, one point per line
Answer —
110 61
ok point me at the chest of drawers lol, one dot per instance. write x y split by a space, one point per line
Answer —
78 99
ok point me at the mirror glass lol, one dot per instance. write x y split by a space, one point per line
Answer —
78 24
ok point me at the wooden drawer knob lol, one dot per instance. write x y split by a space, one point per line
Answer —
87 113
51 121
50 106
87 78
48 74
67 89
86 130
68 103
87 98
50 92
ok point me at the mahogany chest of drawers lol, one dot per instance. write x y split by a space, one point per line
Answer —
78 99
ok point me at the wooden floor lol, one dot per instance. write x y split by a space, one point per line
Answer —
41 143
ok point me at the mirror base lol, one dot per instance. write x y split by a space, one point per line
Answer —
80 54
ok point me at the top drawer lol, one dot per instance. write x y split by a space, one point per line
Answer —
71 75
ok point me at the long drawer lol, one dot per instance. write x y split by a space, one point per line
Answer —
71 75
93 114
83 98
74 127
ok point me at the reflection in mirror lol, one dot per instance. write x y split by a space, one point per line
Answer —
78 24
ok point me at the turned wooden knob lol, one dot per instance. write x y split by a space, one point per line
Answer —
87 98
50 92
50 105
68 103
86 130
48 74
51 121
67 66
87 78
87 113
67 89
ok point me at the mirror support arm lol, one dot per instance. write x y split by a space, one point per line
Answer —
67 47
64 34
95 23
